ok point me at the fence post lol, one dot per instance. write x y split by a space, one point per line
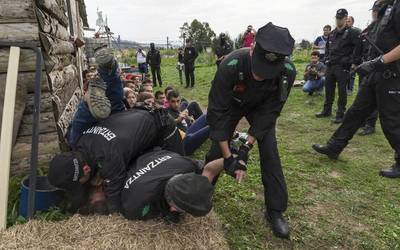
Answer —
7 132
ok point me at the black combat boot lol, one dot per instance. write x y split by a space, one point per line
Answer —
279 225
393 172
325 150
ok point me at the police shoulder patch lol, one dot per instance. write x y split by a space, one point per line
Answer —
288 66
233 62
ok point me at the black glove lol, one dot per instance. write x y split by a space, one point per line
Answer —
243 153
232 164
370 66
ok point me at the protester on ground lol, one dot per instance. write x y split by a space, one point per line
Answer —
104 96
164 184
160 98
194 129
314 75
107 148
130 98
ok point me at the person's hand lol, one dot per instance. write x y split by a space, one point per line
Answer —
243 153
370 66
235 168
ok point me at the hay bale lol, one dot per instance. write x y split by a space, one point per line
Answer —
107 232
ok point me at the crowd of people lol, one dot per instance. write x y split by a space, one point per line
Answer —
130 147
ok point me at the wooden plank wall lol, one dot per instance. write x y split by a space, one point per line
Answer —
46 24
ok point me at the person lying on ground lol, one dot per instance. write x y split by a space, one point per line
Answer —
104 96
314 75
194 129
164 184
108 147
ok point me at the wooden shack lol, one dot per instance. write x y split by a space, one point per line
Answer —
52 25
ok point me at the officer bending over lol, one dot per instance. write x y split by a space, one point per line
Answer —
254 83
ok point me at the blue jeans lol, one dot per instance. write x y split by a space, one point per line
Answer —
314 85
83 119
196 135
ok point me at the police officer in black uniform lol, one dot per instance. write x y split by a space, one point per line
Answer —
339 59
107 148
380 90
254 83
189 57
364 55
223 48
154 60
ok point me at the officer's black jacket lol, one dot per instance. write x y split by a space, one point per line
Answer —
189 56
230 97
388 27
340 47
223 49
113 143
362 50
154 58
142 195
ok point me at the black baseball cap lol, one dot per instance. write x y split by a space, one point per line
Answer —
273 44
64 172
341 13
191 193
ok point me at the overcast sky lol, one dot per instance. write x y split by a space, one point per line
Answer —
154 20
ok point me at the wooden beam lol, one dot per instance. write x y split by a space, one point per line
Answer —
27 60
55 46
68 113
27 79
52 8
51 26
6 132
19 32
21 9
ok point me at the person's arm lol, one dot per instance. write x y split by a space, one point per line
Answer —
322 71
315 45
148 57
392 56
113 171
357 51
213 169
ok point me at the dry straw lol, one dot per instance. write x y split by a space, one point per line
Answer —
103 232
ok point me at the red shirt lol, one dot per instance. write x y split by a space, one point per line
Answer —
248 39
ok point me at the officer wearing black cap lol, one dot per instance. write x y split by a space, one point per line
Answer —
381 89
223 48
254 83
339 59
163 183
107 148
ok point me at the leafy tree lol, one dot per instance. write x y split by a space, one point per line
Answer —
200 32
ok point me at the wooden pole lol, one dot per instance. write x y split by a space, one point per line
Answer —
7 132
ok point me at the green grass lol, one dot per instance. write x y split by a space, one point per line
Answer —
332 204
340 204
